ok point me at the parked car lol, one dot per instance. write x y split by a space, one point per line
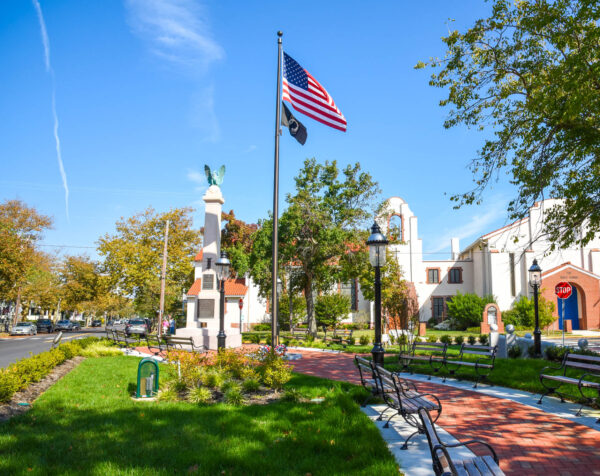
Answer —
136 326
23 328
65 325
96 323
45 325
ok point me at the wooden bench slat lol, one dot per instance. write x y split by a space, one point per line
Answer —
461 471
471 468
492 465
482 466
579 365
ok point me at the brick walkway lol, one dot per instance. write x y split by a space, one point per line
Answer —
528 441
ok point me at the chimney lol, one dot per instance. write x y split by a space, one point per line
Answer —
454 246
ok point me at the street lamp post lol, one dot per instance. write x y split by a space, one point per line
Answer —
377 244
535 280
279 293
222 265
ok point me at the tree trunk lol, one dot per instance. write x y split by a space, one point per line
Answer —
17 307
310 308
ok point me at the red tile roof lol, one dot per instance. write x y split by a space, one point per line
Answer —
236 287
199 256
233 287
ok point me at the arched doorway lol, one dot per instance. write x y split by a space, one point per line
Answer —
571 306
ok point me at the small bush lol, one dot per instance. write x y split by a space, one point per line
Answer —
474 330
364 339
531 351
310 338
276 373
446 339
292 395
483 339
459 340
230 385
250 385
269 339
262 327
199 395
254 338
100 349
234 396
167 395
472 340
514 351
432 339
403 339
213 379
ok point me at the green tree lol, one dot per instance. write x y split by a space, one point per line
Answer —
467 309
21 228
330 309
298 311
236 241
522 313
133 258
80 282
529 73
318 230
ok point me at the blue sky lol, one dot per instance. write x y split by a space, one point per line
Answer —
148 91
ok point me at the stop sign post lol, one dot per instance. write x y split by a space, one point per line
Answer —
241 305
563 291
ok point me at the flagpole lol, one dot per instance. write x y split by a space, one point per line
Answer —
275 244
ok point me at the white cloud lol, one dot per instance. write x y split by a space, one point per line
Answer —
250 148
176 30
203 116
199 178
476 226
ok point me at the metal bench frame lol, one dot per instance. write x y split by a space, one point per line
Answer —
155 344
444 465
588 365
404 399
483 365
340 336
436 358
177 343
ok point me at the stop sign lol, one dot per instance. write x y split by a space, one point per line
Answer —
563 290
241 303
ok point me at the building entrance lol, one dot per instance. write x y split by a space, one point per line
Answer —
571 310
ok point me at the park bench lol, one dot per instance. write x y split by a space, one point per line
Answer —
123 340
483 365
444 464
435 356
299 333
183 343
368 378
585 373
404 399
155 343
339 336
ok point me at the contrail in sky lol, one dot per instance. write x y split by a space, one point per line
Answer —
46 44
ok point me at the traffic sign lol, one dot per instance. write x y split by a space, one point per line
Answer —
563 290
241 303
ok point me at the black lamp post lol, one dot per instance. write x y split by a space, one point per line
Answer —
222 265
535 280
377 253
279 293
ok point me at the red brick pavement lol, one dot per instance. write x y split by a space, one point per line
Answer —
528 441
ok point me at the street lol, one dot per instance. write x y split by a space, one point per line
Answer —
15 348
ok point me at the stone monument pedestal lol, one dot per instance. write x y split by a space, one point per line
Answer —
208 337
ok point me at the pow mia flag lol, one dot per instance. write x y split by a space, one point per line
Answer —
297 130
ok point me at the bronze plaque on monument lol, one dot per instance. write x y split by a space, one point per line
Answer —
206 308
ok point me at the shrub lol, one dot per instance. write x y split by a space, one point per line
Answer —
275 373
459 339
250 385
364 339
229 385
9 384
531 351
403 339
446 339
213 379
432 321
514 351
292 395
231 362
475 330
254 338
199 395
330 309
310 338
467 309
100 349
262 327
483 339
432 339
472 340
234 396
269 339
555 353
523 313
167 395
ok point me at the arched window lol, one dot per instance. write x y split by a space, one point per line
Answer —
395 229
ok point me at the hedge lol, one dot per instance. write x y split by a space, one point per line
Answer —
21 374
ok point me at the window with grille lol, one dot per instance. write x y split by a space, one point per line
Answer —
455 275
433 276
439 306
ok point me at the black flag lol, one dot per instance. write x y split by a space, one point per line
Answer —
297 130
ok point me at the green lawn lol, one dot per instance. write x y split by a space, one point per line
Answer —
88 424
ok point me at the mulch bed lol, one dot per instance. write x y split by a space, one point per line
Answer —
28 395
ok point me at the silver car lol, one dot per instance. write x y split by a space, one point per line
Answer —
23 328
136 326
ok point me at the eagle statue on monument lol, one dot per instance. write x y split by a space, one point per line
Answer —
216 177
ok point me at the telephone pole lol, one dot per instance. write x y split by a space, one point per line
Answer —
162 282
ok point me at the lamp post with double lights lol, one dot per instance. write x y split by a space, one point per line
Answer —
223 267
535 281
377 244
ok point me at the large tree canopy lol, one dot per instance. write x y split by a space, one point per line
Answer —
319 229
530 73
133 257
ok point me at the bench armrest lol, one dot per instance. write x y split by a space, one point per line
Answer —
475 442
442 448
405 381
549 367
584 376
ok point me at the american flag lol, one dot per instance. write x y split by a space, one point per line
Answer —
308 97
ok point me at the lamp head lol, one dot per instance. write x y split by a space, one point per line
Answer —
377 244
223 266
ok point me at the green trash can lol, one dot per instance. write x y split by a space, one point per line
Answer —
147 379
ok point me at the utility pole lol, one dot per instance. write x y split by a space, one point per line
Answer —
162 282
